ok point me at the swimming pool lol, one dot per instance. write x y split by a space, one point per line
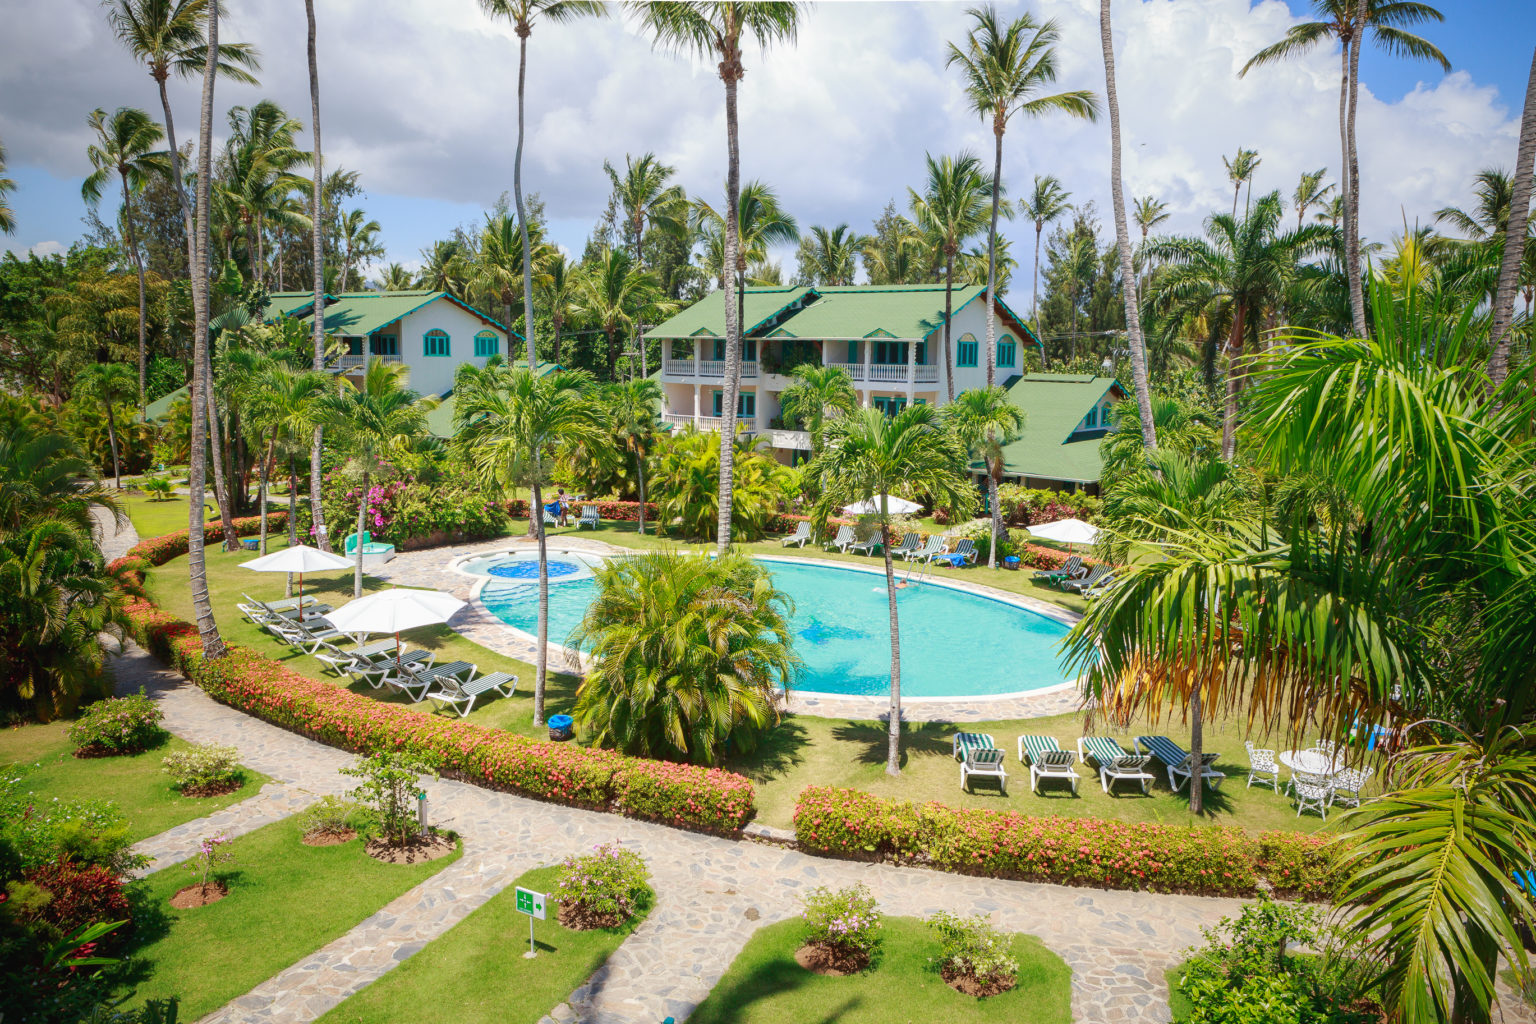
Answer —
954 643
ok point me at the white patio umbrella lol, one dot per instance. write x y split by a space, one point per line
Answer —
1066 531
901 506
300 559
394 610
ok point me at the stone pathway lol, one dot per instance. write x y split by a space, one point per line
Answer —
274 802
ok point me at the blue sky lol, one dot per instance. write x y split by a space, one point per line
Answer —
422 105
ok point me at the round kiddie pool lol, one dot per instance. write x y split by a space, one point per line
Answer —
954 642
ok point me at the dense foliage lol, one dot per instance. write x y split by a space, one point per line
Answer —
610 881
119 725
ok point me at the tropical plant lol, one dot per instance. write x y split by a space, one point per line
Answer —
317 290
870 456
111 385
686 480
1047 201
509 421
561 287
987 422
1005 71
125 144
713 29
396 278
847 919
390 781
816 394
283 405
496 268
972 947
204 767
523 14
614 293
256 176
645 196
1517 254
633 409
7 186
1149 212
610 882
831 254
1182 427
690 656
360 241
1310 192
1240 171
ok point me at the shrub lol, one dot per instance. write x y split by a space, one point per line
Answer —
391 780
119 725
85 832
203 766
1022 506
159 488
608 882
330 817
972 947
681 794
55 899
848 919
409 511
211 852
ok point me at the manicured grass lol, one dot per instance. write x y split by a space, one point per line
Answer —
766 986
476 974
135 783
156 518
285 900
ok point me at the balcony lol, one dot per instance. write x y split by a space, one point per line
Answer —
890 373
349 363
711 369
681 419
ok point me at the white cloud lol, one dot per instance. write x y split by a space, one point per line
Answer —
50 248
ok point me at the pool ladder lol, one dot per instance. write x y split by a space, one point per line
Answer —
916 576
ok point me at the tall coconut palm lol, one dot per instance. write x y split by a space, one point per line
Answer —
987 422
560 287
7 186
317 281
256 172
1310 192
1128 283
644 194
360 243
614 293
633 408
1047 201
523 14
496 270
1516 244
125 143
443 267
509 421
112 385
953 206
713 30
817 394
834 252
1348 22
1006 70
869 456
761 223
1240 171
1149 212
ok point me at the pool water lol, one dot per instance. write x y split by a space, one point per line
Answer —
953 643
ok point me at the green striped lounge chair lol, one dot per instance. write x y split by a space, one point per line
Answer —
799 537
935 546
1071 569
962 742
844 538
1178 761
1113 762
867 546
461 694
909 542
590 516
987 764
1046 760
1092 579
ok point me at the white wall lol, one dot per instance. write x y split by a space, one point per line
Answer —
972 320
432 375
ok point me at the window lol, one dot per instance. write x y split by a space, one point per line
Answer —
922 353
435 343
1092 419
853 352
1007 351
894 352
384 345
889 404
486 343
746 403
354 346
965 354
748 350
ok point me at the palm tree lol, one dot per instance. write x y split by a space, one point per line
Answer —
1489 215
690 657
1516 245
7 186
1310 192
125 143
713 29
1182 429
1128 283
522 14
111 384
560 286
614 293
443 268
369 422
1240 170
282 404
396 279
1046 202
644 194
761 223
257 172
509 421
633 407
496 269
317 285
891 257
1347 21
1242 267
834 253
869 456
1149 212
953 206
987 422
815 395
360 241
1005 71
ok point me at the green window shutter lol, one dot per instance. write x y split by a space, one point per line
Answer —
435 343
1007 351
853 352
486 344
965 353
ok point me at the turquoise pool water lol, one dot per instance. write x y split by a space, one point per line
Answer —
953 643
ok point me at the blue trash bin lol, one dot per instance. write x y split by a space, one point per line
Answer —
1011 562
560 727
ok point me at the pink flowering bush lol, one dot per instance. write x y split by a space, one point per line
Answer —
609 881
118 725
848 919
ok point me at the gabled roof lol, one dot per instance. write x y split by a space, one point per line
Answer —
761 306
1054 404
362 313
295 304
440 420
160 408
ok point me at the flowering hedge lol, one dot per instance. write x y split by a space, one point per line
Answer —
702 798
1064 851
159 550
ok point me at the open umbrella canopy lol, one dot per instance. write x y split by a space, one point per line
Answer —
1066 531
391 611
900 506
300 558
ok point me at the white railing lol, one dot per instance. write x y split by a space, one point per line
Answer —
715 368
854 370
927 374
682 419
800 439
890 373
349 363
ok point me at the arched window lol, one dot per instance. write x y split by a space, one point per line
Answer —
966 350
1007 351
435 343
486 343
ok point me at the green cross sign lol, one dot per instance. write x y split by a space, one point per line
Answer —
530 903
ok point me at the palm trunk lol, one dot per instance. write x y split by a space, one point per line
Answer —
997 177
362 518
522 226
893 728
640 477
558 323
317 253
732 320
1123 237
1352 199
261 489
949 359
207 627
293 516
117 463
138 266
1234 384
1514 238
216 436
541 659
1034 302
997 514
1196 751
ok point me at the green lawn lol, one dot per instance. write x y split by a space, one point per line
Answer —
286 900
135 783
766 986
157 518
476 974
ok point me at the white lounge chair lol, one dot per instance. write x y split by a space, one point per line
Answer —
1071 569
1179 761
1262 766
589 517
1113 762
867 546
962 743
409 678
1099 589
1047 760
845 537
376 660
1349 785
934 546
909 542
1096 574
987 764
461 694
799 537
550 519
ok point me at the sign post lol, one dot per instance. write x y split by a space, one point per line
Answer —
532 904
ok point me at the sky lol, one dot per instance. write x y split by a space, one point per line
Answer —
421 99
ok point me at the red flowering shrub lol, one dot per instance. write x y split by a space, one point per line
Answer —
682 794
853 823
59 897
1299 866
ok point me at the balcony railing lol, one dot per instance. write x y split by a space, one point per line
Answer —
890 373
349 362
711 368
682 419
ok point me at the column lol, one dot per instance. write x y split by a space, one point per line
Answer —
695 389
696 343
868 348
911 370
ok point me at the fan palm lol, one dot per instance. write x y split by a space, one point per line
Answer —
1047 201
7 186
644 194
633 408
817 394
614 293
1310 192
125 144
1006 70
987 422
522 14
510 420
690 657
112 385
869 456
952 207
834 252
713 30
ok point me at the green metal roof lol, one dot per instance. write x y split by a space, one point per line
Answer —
706 317
362 313
1054 404
440 420
160 408
296 304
